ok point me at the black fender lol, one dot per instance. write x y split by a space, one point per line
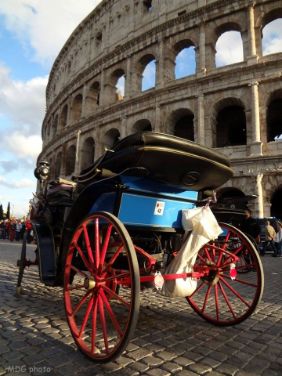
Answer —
47 258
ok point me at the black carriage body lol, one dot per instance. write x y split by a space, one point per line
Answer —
142 171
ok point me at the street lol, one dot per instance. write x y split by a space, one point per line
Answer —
170 338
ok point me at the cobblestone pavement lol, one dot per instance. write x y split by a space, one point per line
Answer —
170 338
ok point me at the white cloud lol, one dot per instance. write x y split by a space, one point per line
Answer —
229 48
44 25
22 101
18 184
24 146
272 38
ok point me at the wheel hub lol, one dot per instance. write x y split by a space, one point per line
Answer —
89 283
213 276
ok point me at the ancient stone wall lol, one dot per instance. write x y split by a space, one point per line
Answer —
87 110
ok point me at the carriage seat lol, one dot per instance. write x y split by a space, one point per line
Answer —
168 159
60 192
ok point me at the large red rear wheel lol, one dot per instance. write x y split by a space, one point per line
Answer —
227 296
101 287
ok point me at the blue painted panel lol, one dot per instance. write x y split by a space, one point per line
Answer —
154 186
149 211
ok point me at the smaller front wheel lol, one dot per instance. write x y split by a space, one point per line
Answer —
101 287
228 293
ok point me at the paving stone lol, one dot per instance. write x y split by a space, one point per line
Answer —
227 369
169 340
153 361
200 368
186 372
158 372
172 367
139 354
183 361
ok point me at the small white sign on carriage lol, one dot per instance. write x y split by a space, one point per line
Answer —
159 208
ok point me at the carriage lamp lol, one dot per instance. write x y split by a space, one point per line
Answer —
42 170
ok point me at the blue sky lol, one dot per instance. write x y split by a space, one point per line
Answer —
32 32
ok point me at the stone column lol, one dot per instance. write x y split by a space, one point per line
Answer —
252 51
123 129
201 120
201 52
165 64
256 145
158 126
107 90
84 104
128 79
260 195
77 153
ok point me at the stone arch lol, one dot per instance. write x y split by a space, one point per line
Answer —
142 125
271 16
115 87
64 117
185 59
274 116
111 137
271 35
87 153
92 99
230 123
227 33
58 165
77 107
148 72
55 126
181 124
231 198
48 128
276 203
70 160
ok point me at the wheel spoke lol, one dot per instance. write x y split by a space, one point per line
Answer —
111 313
79 305
242 281
103 322
94 325
97 243
234 291
75 287
116 254
79 271
106 244
117 297
216 301
81 254
101 312
86 317
206 299
226 300
88 246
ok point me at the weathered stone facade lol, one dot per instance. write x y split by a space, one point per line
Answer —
119 38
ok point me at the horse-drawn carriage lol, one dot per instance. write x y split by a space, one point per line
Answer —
137 219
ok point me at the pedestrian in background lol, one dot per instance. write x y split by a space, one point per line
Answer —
278 241
270 234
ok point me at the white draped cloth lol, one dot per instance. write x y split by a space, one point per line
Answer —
200 227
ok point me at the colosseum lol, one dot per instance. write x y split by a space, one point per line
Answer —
97 92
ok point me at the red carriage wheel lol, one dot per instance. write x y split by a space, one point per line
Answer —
101 287
226 295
